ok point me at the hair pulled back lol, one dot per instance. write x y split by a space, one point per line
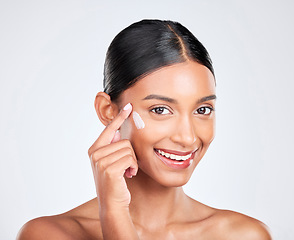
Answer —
146 46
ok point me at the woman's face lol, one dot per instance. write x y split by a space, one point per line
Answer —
176 105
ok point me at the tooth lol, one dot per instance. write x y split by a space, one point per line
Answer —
174 156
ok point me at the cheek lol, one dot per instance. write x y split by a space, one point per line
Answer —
141 129
152 132
207 131
136 129
126 129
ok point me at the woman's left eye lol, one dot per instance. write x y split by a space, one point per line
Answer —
204 110
160 110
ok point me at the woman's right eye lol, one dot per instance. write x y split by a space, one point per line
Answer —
160 110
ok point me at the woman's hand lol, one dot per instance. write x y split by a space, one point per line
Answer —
111 160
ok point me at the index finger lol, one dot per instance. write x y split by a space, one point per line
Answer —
108 133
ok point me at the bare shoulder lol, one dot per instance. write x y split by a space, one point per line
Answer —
233 225
78 223
51 227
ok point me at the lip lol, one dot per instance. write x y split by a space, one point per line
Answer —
174 163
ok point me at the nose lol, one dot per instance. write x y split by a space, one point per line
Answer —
184 133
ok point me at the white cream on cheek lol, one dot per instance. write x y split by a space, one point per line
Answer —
139 123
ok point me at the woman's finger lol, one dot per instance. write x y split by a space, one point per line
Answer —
110 149
119 168
108 134
103 162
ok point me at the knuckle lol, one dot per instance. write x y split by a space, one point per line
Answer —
108 172
128 157
90 152
94 153
127 143
126 151
94 156
100 165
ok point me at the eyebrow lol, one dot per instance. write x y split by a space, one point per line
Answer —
171 100
160 97
207 98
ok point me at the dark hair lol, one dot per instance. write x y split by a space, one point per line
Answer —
146 46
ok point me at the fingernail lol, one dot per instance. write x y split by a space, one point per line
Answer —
128 106
133 172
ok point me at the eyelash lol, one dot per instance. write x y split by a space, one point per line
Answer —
161 107
206 107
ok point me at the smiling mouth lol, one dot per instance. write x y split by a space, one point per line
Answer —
174 159
174 156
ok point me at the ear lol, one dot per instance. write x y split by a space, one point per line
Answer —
105 108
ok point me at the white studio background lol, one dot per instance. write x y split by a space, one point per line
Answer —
52 54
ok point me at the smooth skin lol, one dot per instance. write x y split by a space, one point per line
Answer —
138 196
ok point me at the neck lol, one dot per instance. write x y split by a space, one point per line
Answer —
152 204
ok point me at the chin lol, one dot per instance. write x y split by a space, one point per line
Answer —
168 178
175 182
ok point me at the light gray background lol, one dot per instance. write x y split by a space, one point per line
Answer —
51 61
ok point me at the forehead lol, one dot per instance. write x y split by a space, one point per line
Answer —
181 80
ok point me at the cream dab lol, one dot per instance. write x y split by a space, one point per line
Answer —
138 120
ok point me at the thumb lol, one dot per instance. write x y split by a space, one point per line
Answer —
116 137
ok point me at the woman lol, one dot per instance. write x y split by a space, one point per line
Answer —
158 108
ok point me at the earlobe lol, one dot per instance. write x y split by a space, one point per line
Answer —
105 109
